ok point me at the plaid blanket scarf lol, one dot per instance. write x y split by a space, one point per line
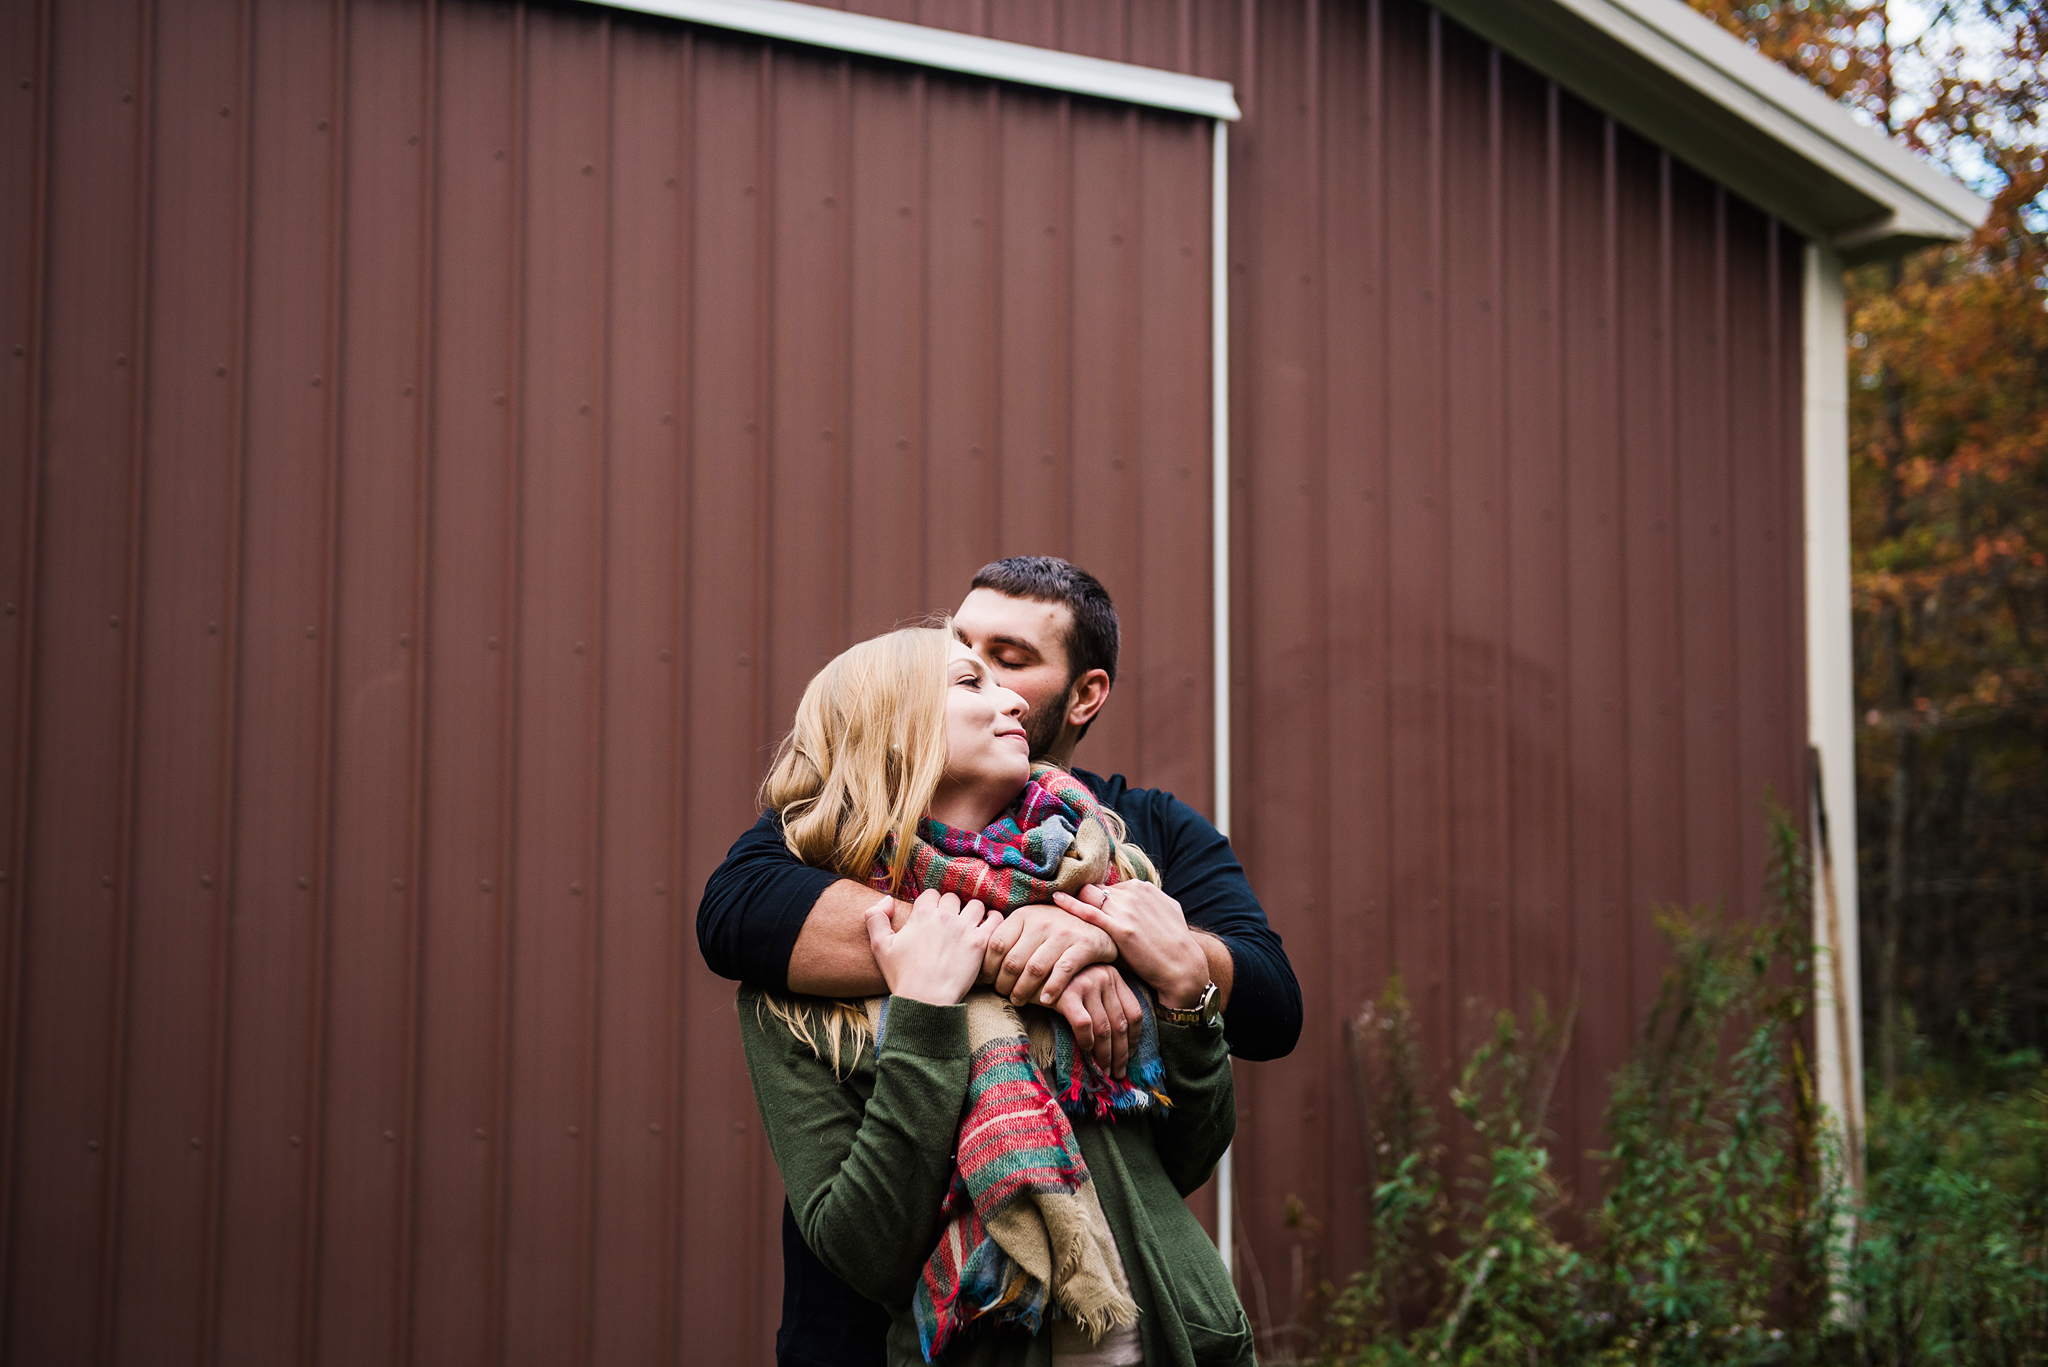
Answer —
1023 1229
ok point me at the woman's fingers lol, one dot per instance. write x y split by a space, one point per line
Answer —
1094 914
880 932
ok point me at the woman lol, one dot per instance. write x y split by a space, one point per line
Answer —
926 1159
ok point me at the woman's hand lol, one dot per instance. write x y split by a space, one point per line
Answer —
936 956
1038 951
1151 935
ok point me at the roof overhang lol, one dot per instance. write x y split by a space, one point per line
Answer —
1683 82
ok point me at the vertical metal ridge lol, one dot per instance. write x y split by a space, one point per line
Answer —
1440 483
1503 493
844 190
231 674
1723 371
992 316
1667 315
1063 311
764 489
508 728
14 898
921 88
597 716
406 1224
130 722
1610 248
1553 189
314 1204
683 655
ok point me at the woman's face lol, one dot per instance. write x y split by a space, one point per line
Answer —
987 750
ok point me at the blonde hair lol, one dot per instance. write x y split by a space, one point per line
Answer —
859 766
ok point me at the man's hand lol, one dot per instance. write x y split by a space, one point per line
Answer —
1100 1006
1151 935
1036 952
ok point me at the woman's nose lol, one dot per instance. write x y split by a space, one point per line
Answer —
1013 703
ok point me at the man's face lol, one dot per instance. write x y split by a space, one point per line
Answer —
1025 644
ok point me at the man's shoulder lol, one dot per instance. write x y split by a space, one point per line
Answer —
1150 806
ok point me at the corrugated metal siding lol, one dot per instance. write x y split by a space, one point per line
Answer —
443 439
1516 565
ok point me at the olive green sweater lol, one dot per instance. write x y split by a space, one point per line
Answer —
867 1158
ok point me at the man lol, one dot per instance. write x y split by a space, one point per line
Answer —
1047 630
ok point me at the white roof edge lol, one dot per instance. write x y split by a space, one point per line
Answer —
946 50
1692 48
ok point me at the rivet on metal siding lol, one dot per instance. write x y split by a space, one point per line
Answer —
479 1134
92 1146
398 885
1117 464
654 1129
390 1138
666 656
903 211
825 435
195 1141
660 889
24 83
485 885
670 182
750 424
305 882
205 880
582 408
309 633
321 126
575 889
1051 231
3 875
223 111
127 96
121 360
20 350
220 370
404 641
902 443
588 169
501 154
739 1127
316 382
579 647
106 880
500 401
975 452
413 141
408 391
1116 239
743 662
113 621
667 419
213 628
491 643
574 1132
296 1141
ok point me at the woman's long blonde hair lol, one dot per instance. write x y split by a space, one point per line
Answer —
859 766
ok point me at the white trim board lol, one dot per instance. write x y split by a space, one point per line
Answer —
945 50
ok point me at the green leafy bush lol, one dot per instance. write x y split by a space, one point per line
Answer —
1726 1232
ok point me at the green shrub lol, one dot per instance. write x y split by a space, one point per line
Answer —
1725 1233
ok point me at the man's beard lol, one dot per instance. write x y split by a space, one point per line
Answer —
1042 725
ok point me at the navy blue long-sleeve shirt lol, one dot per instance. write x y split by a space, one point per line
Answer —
756 902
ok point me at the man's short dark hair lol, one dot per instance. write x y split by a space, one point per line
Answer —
1092 634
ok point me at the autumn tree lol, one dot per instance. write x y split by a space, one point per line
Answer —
1949 490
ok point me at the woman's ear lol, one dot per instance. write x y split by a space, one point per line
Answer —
1087 696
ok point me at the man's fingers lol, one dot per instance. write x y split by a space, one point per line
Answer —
1064 968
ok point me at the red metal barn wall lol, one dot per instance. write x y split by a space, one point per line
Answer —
449 436
442 441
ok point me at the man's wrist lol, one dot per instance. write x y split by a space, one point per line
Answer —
1184 991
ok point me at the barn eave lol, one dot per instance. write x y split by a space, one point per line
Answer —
1685 83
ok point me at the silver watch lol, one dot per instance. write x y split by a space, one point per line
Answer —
1206 1011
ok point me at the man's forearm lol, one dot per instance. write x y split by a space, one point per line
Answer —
1222 971
832 957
